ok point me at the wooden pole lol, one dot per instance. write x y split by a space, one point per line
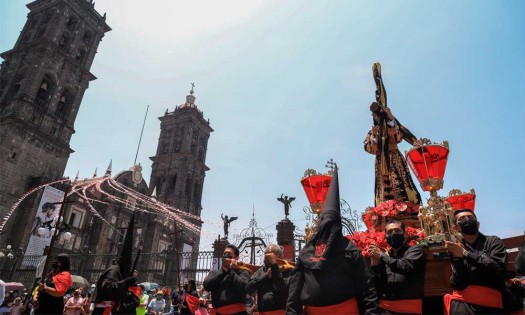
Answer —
177 253
55 235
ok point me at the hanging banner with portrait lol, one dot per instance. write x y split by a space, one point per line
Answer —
45 219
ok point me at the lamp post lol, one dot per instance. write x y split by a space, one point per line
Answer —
63 230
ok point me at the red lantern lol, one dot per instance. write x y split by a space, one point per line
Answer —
316 188
462 200
428 162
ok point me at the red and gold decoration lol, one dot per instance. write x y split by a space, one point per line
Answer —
316 188
428 161
462 200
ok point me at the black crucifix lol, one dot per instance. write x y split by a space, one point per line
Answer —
330 164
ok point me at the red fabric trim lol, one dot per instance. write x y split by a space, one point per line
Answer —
414 306
228 309
136 291
107 305
62 281
348 307
276 312
193 302
474 294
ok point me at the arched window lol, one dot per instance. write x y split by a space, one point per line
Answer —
42 94
81 53
64 40
61 111
173 183
71 22
47 17
87 38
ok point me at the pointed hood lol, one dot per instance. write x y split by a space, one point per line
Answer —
327 246
125 259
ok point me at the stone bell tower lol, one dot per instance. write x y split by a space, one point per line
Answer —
179 167
42 83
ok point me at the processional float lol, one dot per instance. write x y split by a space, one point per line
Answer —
427 224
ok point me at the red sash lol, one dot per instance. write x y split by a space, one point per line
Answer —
193 302
348 307
137 291
107 305
276 312
414 306
228 309
474 294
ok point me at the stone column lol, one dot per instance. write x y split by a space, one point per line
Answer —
285 239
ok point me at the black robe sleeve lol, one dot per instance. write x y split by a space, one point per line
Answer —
294 304
213 280
256 281
367 300
239 280
494 262
412 260
380 278
278 280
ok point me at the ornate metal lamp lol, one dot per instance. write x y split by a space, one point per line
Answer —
461 200
316 188
428 161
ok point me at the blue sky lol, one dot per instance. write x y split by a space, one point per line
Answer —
287 85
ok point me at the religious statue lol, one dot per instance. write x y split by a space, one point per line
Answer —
287 204
227 222
392 177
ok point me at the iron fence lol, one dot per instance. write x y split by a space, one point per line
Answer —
159 268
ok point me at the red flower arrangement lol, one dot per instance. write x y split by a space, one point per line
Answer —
366 238
388 209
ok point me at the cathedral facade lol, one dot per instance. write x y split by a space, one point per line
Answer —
42 82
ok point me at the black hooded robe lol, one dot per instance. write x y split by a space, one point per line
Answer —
331 269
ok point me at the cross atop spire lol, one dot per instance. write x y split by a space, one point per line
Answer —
190 98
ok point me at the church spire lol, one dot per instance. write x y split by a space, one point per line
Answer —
190 99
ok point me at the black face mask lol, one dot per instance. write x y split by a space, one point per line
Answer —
227 255
469 226
54 265
395 240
